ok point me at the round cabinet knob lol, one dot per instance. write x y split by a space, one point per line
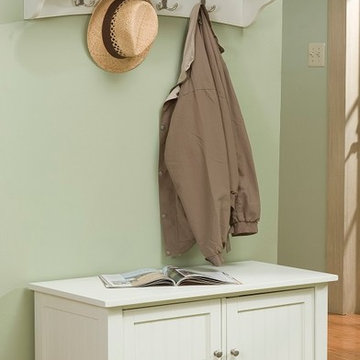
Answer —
218 354
234 352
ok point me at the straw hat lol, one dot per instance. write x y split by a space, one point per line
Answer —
120 33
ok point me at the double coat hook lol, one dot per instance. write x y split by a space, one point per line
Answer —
162 5
89 3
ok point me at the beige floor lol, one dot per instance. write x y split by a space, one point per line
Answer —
344 337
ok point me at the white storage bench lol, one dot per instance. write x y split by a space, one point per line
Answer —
277 313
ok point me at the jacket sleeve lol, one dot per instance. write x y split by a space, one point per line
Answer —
245 212
245 200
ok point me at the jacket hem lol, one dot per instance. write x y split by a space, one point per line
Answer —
216 260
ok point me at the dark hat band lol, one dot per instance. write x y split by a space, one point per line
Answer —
106 29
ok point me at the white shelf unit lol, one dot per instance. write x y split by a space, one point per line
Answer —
232 12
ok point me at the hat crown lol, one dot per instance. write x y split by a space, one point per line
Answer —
120 33
133 27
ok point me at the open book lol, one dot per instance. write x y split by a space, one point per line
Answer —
167 276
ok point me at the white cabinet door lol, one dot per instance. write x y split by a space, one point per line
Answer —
189 331
277 326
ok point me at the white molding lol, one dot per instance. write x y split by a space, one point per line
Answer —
343 168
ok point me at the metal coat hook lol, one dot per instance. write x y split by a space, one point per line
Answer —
211 9
89 3
162 5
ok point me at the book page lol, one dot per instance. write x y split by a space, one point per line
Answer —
152 279
173 273
205 276
125 279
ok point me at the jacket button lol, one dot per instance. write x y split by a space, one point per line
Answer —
163 216
162 127
160 173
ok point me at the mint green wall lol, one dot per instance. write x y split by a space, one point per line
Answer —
303 145
78 154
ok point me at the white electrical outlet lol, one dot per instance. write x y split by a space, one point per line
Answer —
316 55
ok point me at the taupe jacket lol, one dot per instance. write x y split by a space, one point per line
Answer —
207 181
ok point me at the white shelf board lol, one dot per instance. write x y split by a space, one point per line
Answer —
233 12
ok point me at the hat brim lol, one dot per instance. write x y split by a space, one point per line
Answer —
97 48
